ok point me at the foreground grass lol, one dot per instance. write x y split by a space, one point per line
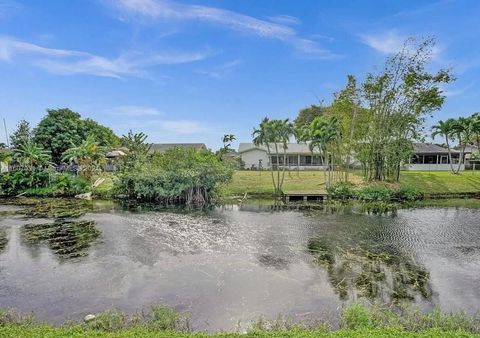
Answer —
74 332
356 321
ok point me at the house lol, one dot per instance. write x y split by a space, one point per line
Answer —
471 155
163 147
298 157
432 157
4 153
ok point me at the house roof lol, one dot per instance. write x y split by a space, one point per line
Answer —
162 147
429 148
292 148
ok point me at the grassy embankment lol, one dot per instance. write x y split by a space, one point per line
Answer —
258 183
356 321
50 332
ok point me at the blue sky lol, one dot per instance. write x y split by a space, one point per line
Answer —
192 70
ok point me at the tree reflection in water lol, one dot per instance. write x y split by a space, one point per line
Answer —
66 239
378 272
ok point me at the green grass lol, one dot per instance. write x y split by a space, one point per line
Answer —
442 182
356 321
259 183
77 332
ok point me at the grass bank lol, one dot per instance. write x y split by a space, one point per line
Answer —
50 332
259 183
356 321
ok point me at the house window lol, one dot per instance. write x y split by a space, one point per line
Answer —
444 159
293 160
430 159
316 160
305 160
417 159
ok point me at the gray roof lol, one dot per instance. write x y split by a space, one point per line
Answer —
429 148
162 147
292 148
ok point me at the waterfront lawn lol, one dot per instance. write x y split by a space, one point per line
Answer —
442 182
260 182
433 182
77 332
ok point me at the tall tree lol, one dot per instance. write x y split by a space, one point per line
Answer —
274 134
446 130
58 130
103 135
307 115
398 99
22 134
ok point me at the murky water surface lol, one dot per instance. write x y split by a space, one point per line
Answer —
230 265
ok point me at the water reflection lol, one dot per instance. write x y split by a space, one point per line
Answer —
3 239
379 273
235 263
66 239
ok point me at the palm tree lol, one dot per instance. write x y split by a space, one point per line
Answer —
87 154
446 129
284 130
463 128
263 136
323 132
29 155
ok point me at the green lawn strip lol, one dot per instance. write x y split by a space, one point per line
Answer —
74 332
440 182
259 183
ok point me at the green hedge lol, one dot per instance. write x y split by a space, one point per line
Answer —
347 191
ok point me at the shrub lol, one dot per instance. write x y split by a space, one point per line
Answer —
177 176
43 183
356 316
341 191
407 194
374 194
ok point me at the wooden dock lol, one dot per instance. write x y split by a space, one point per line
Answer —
306 196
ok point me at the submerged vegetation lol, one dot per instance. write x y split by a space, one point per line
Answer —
378 273
66 239
357 321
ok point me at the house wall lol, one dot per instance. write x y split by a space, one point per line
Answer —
432 167
251 158
3 167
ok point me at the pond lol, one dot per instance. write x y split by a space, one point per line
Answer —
229 265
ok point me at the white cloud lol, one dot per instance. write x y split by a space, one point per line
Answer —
285 20
68 62
387 42
165 9
135 111
391 41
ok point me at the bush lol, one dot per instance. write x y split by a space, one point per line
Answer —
42 183
342 191
177 176
407 194
373 194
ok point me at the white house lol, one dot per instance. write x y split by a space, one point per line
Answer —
298 157
432 157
